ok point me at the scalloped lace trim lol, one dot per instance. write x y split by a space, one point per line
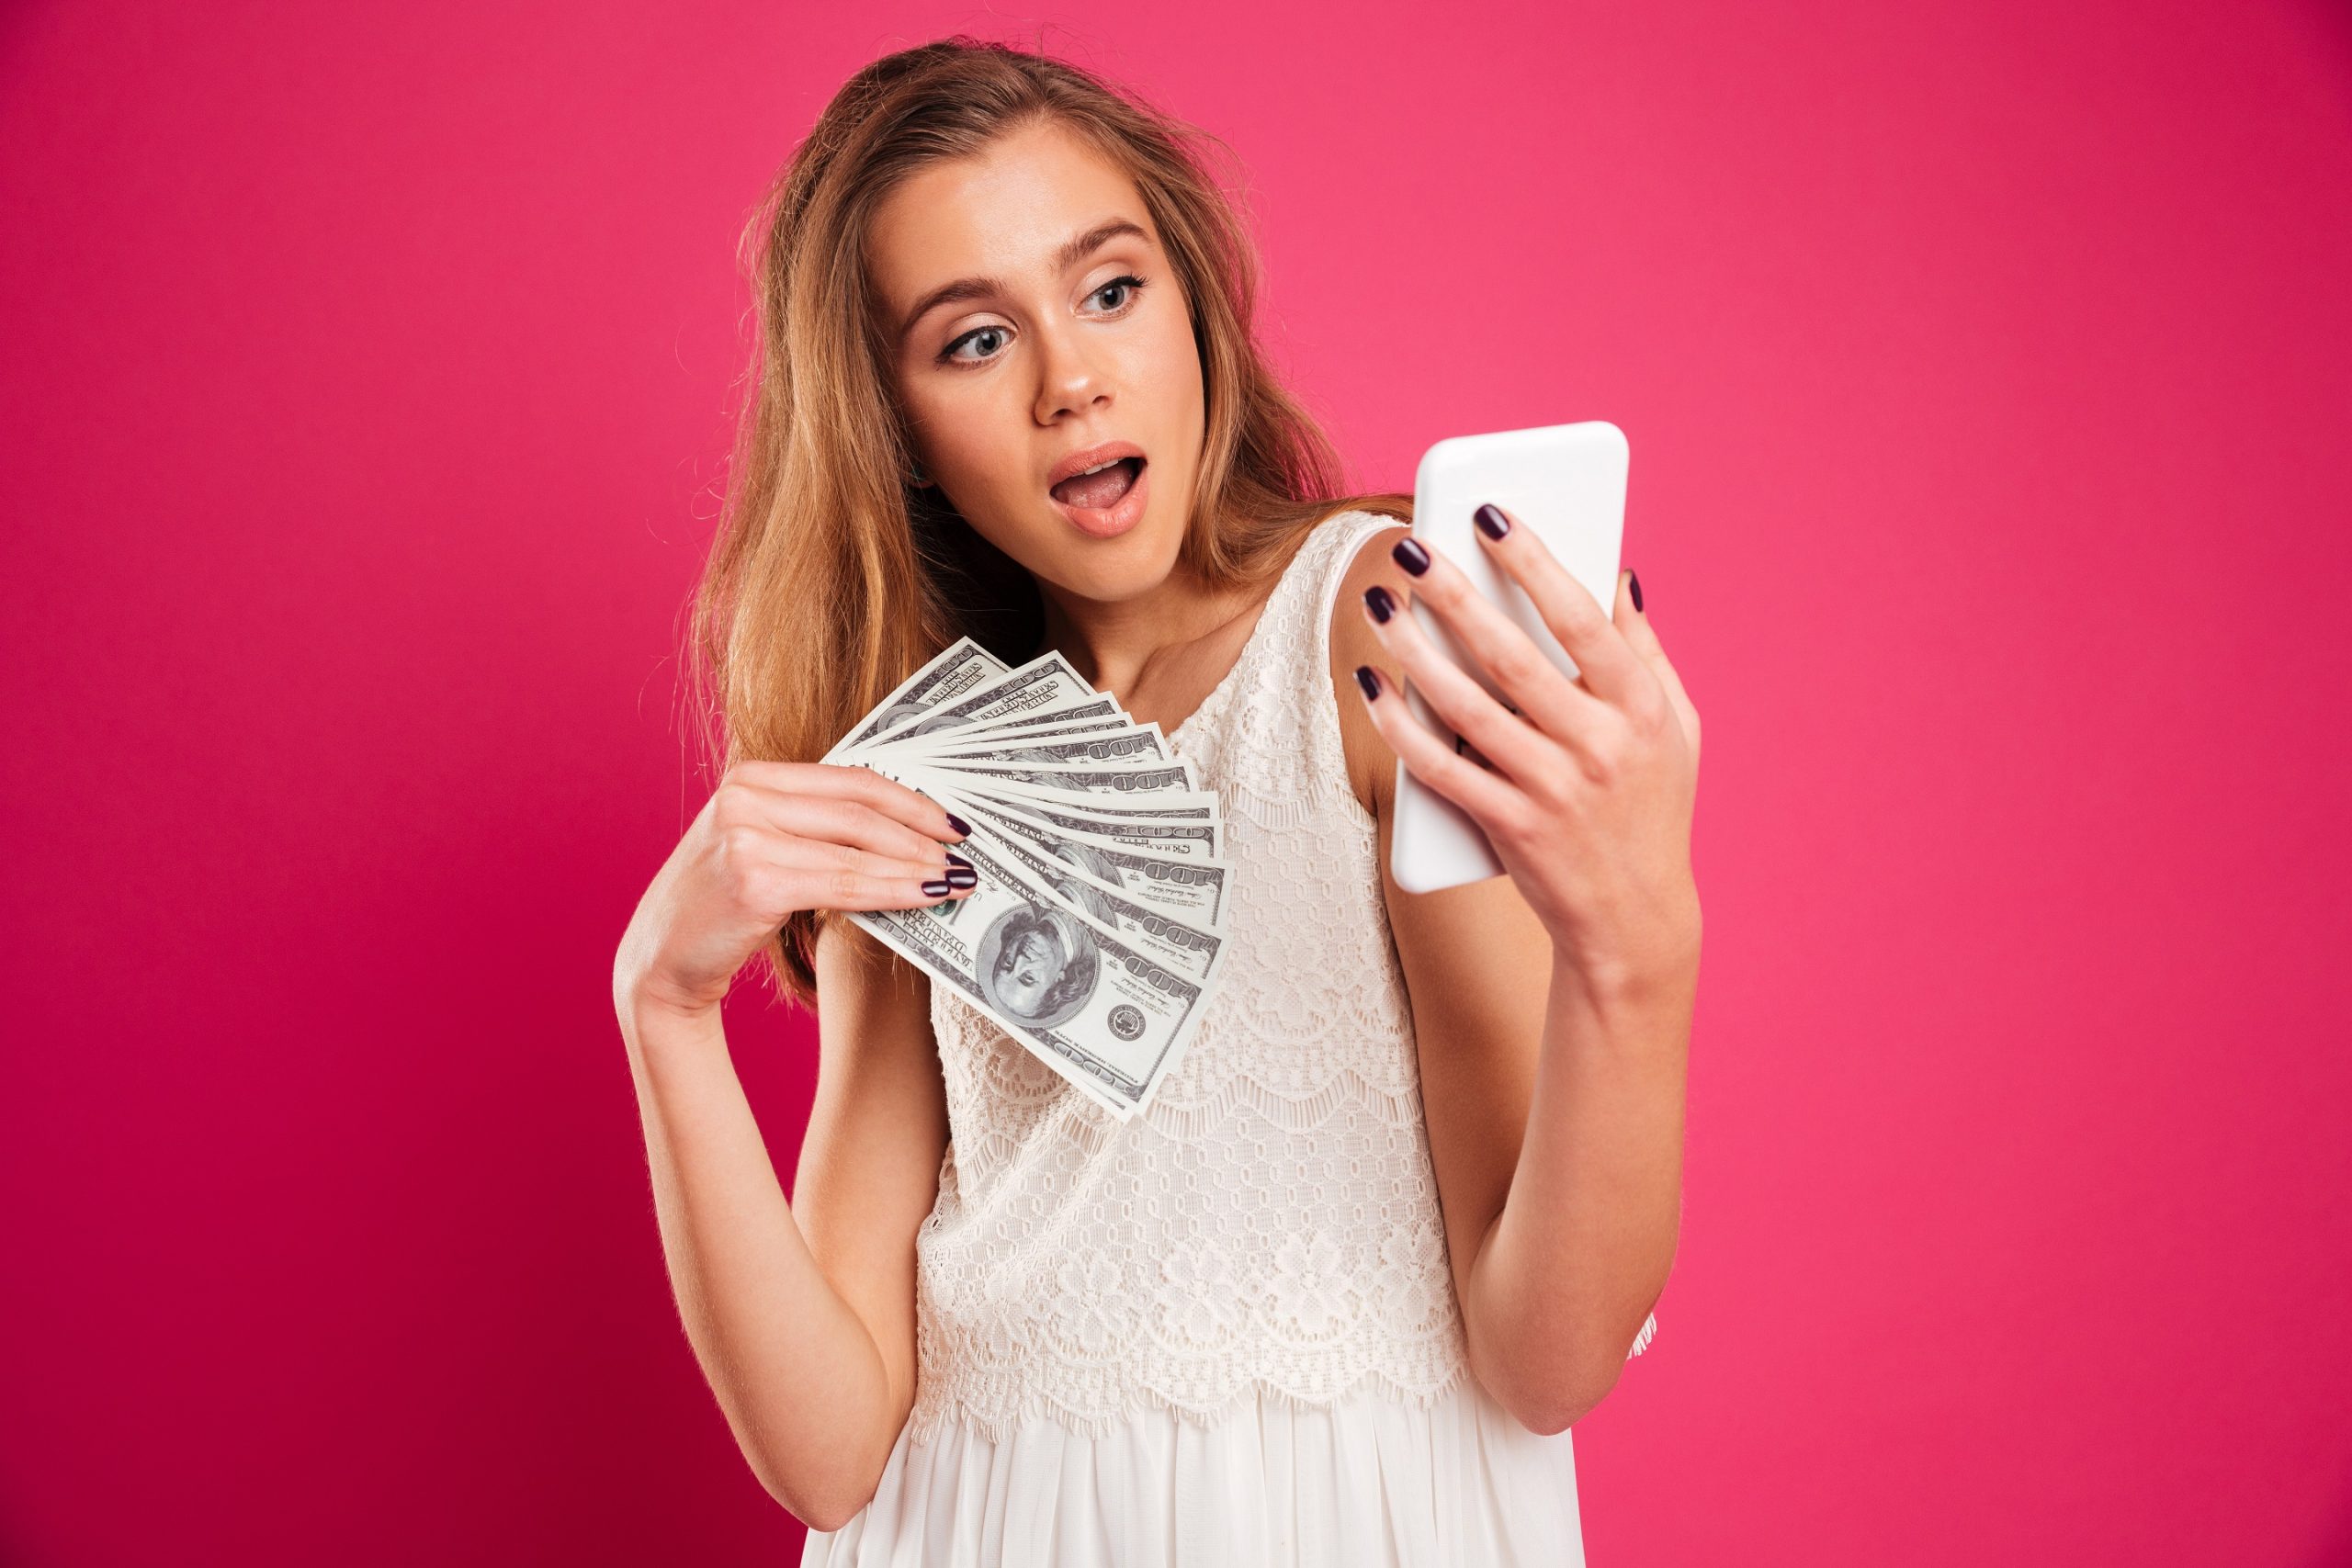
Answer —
1093 1419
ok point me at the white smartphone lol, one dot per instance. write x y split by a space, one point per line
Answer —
1566 482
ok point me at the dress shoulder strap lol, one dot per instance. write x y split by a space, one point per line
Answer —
1300 610
1270 735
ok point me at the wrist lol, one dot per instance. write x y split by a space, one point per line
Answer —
1622 978
650 1015
1636 1021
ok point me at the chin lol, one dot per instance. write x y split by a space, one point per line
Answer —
1109 571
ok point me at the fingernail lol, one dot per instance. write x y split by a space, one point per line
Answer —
963 877
934 890
1369 679
960 826
1634 586
1491 521
1376 600
955 859
1411 556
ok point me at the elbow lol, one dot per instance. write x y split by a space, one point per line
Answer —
1556 1413
824 1478
820 1507
1549 1394
823 1496
825 1521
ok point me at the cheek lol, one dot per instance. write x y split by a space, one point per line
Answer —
962 428
1176 396
941 412
1172 363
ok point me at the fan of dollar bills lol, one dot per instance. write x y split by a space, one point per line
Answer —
1096 935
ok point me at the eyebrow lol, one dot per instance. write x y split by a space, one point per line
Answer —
1072 251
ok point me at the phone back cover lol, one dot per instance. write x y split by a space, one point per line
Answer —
1565 482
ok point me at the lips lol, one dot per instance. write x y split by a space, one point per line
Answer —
1106 505
1100 491
1079 462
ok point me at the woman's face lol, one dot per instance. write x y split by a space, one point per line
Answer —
1046 348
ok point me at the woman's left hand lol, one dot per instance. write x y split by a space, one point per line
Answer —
1587 781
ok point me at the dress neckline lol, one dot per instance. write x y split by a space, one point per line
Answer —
1249 643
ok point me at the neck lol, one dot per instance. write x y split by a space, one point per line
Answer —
1116 645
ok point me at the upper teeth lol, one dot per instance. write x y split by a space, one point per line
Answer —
1100 466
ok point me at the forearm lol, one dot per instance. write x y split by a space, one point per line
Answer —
1586 1236
794 1369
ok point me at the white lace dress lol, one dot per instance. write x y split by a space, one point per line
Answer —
1224 1334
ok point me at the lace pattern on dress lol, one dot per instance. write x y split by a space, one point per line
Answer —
1269 1226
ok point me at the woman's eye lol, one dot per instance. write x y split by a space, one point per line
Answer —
949 352
1129 286
1132 286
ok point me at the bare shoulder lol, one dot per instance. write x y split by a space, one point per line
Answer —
1371 765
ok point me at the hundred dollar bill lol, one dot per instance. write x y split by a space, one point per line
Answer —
1191 890
1133 746
1100 809
1151 807
962 665
1069 785
1110 1018
1045 684
1180 832
1094 715
1190 949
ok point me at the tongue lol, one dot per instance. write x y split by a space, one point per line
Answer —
1095 492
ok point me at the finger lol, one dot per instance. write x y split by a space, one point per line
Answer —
1611 670
845 821
1527 678
1634 622
789 852
1492 800
857 892
1508 741
854 781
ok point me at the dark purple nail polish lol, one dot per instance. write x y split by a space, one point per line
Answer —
955 859
934 890
1491 521
963 877
1410 555
959 825
1634 586
1369 681
1377 600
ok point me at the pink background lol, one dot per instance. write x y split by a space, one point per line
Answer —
1988 372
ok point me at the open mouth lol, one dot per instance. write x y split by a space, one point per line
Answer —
1100 490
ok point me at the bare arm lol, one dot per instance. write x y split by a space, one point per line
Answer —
1554 1104
869 1164
800 1311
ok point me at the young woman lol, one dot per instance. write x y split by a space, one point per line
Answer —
1400 1216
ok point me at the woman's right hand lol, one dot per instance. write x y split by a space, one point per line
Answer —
776 838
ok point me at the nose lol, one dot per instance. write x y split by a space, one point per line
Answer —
1069 380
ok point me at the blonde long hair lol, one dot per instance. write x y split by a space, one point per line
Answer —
832 578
